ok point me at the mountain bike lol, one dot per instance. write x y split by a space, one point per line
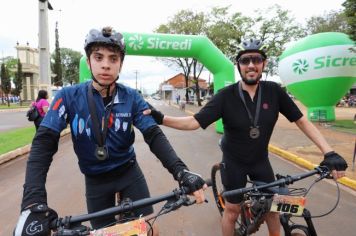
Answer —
260 198
73 225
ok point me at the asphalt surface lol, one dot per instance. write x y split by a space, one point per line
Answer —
200 151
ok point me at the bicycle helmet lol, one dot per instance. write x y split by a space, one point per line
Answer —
251 45
106 37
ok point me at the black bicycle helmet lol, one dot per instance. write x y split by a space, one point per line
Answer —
251 45
107 36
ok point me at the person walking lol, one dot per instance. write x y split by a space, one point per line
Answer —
42 106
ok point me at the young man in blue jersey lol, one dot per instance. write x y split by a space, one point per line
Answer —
101 114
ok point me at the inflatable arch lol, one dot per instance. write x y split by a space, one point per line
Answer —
173 45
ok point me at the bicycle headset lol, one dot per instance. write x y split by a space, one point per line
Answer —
250 45
107 37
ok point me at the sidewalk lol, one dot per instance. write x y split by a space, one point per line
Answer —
290 143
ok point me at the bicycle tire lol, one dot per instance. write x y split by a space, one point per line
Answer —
300 228
217 187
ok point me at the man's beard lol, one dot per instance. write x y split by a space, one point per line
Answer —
251 81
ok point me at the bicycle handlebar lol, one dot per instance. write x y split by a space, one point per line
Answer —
323 171
176 194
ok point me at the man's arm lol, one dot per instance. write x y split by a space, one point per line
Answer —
313 134
44 146
181 123
332 160
163 150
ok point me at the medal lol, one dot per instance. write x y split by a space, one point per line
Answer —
101 153
254 132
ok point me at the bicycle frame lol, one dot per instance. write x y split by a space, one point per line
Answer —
250 223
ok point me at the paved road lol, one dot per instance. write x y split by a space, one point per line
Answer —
13 120
199 150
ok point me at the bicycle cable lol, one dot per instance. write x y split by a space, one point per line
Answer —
333 208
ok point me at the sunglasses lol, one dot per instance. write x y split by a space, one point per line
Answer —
256 60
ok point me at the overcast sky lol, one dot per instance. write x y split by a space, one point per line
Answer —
19 23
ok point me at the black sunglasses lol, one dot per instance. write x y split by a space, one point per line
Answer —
256 60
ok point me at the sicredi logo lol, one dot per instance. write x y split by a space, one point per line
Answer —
157 43
136 43
301 66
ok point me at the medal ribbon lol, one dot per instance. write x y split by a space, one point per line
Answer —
100 136
258 106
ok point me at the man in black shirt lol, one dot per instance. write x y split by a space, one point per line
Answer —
249 110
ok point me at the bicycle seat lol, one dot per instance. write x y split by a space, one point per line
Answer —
275 189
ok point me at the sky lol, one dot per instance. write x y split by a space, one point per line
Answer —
19 23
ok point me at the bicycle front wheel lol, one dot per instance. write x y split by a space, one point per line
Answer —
217 187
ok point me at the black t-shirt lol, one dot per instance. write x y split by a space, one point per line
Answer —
227 104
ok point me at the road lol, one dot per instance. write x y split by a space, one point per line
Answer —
200 151
13 120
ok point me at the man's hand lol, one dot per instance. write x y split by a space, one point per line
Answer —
194 183
335 163
157 115
35 221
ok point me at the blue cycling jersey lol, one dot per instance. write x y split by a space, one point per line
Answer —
71 105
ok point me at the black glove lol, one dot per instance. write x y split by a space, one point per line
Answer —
334 161
35 221
157 115
190 180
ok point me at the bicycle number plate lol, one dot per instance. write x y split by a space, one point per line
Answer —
136 227
288 204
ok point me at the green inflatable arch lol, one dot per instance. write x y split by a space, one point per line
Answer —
173 45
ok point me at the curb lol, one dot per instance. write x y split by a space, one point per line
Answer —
22 150
307 164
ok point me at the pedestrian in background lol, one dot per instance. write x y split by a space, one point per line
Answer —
42 105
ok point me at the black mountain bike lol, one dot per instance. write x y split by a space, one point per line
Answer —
261 198
73 225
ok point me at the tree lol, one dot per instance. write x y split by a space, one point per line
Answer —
5 82
333 21
70 60
226 30
18 81
350 9
190 23
57 66
275 28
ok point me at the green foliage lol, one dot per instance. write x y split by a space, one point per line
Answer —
70 60
333 21
5 81
10 140
350 15
57 66
18 80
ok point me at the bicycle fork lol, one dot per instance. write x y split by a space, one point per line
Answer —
309 230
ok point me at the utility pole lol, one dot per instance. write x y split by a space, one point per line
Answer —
136 72
43 47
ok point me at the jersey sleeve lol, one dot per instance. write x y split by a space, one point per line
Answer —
55 118
211 112
287 107
141 121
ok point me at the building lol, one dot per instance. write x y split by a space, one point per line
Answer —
29 58
176 86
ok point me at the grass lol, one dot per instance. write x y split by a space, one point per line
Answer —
13 106
344 126
11 140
